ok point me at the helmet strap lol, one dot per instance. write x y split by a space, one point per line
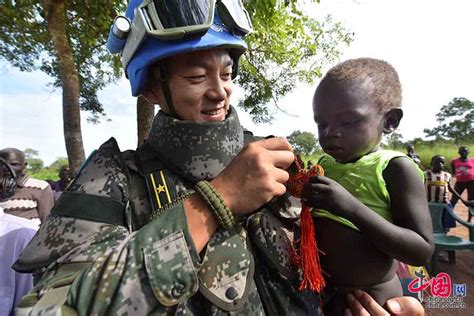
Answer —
160 74
165 85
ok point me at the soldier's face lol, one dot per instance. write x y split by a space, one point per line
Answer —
201 84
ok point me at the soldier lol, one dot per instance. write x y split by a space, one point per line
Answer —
187 223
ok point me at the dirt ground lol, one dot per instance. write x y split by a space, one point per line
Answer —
462 272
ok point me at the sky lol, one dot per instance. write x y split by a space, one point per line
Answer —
429 42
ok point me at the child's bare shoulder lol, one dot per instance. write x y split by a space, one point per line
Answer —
402 170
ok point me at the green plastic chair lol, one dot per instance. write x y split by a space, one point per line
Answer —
447 242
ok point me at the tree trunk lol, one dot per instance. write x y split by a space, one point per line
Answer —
55 16
145 115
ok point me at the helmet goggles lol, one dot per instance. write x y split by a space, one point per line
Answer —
179 19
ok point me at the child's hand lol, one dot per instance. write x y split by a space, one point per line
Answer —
322 192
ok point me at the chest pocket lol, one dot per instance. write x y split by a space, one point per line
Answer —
226 274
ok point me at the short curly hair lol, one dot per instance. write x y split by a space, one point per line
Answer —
377 80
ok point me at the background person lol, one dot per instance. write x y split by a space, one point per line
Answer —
463 169
65 179
15 234
33 198
413 155
437 186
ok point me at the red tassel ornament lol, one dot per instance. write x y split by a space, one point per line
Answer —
306 256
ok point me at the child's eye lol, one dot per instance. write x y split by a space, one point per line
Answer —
351 122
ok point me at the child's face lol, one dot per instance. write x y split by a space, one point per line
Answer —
438 164
349 125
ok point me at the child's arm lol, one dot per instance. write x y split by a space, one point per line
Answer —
409 238
468 203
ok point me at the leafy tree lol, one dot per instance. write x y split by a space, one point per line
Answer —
395 140
31 157
286 46
456 121
65 39
58 163
303 142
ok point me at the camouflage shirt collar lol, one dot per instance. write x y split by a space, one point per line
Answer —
196 150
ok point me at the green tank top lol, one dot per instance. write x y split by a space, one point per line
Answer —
364 180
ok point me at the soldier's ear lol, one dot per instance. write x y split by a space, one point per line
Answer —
392 119
152 94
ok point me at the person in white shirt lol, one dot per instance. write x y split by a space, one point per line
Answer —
15 233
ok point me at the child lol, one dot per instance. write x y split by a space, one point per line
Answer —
437 186
370 206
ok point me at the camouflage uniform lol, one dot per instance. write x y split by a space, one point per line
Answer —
117 242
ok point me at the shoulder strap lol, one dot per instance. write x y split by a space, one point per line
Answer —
85 200
163 186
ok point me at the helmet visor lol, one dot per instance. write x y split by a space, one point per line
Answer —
177 19
234 16
171 19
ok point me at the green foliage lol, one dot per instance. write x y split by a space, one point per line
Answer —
26 43
34 163
51 172
44 174
426 149
58 163
287 46
456 121
30 153
395 139
303 142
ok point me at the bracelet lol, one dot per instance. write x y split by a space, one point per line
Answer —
208 193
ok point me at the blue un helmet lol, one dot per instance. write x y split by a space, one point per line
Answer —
152 30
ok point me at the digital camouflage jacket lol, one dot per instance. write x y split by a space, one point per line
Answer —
117 243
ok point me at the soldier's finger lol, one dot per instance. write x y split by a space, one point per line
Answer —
355 307
282 158
276 143
280 175
366 305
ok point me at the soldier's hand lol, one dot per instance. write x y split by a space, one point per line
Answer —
256 175
361 303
